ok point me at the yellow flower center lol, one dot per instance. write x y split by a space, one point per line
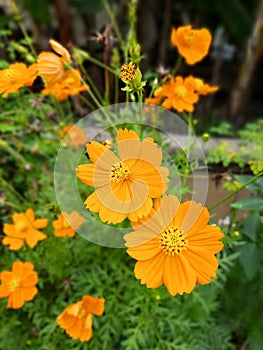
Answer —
128 71
172 240
13 284
82 312
189 37
66 224
11 74
119 172
180 91
21 225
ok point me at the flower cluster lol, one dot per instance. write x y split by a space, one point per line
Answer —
178 92
61 81
173 242
19 284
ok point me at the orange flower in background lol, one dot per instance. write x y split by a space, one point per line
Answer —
178 93
67 224
175 246
76 319
16 76
53 66
69 85
192 44
74 136
25 229
18 285
181 93
124 185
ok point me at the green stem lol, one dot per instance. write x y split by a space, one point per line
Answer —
116 89
96 101
234 192
177 65
11 188
96 91
101 64
87 102
114 24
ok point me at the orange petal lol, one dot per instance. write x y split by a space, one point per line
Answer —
30 280
179 277
14 243
30 214
144 251
95 150
4 291
33 236
203 262
76 329
29 293
16 300
40 223
93 305
85 172
150 271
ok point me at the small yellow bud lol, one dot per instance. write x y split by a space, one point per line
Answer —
205 137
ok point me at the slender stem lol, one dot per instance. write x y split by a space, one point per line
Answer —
116 89
96 101
114 23
189 133
236 191
177 65
96 91
87 102
101 64
11 188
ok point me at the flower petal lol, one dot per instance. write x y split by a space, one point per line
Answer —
150 271
178 275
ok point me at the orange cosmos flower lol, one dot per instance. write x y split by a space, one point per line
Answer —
67 224
76 319
24 229
19 285
181 93
69 85
74 136
192 44
175 247
124 185
178 93
16 76
53 66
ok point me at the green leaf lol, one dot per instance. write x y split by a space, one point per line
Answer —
251 203
256 185
4 127
250 259
251 227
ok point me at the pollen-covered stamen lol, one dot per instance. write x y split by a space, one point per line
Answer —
82 312
180 91
128 71
21 225
189 37
11 75
13 284
173 240
119 172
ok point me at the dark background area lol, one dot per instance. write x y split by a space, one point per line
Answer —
234 61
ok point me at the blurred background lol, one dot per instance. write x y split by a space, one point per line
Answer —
234 62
